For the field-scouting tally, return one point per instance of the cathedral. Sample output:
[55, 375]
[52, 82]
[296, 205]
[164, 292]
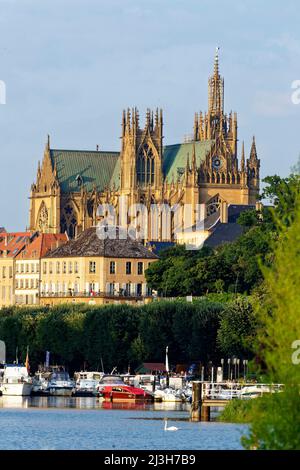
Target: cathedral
[203, 170]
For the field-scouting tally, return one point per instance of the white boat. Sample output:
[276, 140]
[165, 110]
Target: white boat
[87, 388]
[39, 384]
[254, 391]
[168, 395]
[15, 381]
[60, 384]
[87, 383]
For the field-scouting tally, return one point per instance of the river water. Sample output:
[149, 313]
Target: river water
[88, 423]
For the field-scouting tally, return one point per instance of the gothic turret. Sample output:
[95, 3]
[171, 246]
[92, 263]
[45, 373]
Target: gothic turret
[253, 166]
[141, 156]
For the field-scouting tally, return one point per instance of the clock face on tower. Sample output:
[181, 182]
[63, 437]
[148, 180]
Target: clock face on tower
[217, 162]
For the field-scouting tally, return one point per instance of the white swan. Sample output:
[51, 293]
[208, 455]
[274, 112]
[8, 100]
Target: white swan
[171, 428]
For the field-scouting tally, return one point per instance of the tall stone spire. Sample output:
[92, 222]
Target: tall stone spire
[243, 158]
[194, 165]
[216, 90]
[253, 152]
[216, 69]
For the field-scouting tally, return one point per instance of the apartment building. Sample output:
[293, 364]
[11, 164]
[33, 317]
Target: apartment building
[96, 271]
[28, 267]
[11, 244]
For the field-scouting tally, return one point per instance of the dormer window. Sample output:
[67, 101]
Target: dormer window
[79, 180]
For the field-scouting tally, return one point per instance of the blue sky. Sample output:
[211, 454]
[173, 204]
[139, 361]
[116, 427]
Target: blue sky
[71, 66]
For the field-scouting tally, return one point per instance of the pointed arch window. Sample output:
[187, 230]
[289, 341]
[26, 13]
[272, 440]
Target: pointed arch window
[145, 166]
[43, 218]
[68, 222]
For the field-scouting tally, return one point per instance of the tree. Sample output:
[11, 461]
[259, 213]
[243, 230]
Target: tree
[283, 193]
[277, 424]
[238, 329]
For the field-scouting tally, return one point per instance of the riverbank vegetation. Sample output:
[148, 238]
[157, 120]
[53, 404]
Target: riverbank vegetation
[125, 335]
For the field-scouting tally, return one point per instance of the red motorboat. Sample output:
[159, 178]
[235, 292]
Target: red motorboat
[112, 388]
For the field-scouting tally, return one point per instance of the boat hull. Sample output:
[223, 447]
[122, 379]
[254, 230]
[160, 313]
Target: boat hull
[86, 393]
[18, 389]
[125, 394]
[60, 392]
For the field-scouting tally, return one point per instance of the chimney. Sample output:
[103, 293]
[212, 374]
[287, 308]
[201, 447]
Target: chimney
[258, 206]
[224, 213]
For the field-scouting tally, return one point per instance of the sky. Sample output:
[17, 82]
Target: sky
[71, 66]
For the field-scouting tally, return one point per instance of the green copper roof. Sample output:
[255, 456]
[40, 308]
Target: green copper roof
[115, 179]
[102, 169]
[175, 157]
[94, 168]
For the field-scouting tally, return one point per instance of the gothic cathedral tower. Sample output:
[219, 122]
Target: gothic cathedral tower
[141, 157]
[220, 168]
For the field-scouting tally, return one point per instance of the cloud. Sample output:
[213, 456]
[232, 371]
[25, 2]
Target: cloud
[288, 44]
[274, 104]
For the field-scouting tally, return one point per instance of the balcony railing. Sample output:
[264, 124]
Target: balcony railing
[92, 295]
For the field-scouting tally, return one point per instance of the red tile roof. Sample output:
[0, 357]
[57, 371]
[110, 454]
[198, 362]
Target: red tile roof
[12, 243]
[41, 245]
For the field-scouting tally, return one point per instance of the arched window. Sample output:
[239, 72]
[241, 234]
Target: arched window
[68, 221]
[43, 219]
[145, 166]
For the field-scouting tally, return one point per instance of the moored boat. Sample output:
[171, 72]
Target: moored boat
[16, 380]
[169, 395]
[60, 384]
[86, 388]
[254, 391]
[87, 383]
[40, 383]
[112, 388]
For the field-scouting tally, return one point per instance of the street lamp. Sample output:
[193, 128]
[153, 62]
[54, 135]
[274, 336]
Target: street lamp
[234, 362]
[167, 366]
[245, 364]
[222, 366]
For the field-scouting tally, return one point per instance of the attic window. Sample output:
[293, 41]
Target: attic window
[79, 180]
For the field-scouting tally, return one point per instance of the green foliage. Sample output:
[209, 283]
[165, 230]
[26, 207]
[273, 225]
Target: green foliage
[117, 335]
[241, 411]
[275, 421]
[249, 218]
[238, 329]
[233, 267]
[277, 426]
[283, 193]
